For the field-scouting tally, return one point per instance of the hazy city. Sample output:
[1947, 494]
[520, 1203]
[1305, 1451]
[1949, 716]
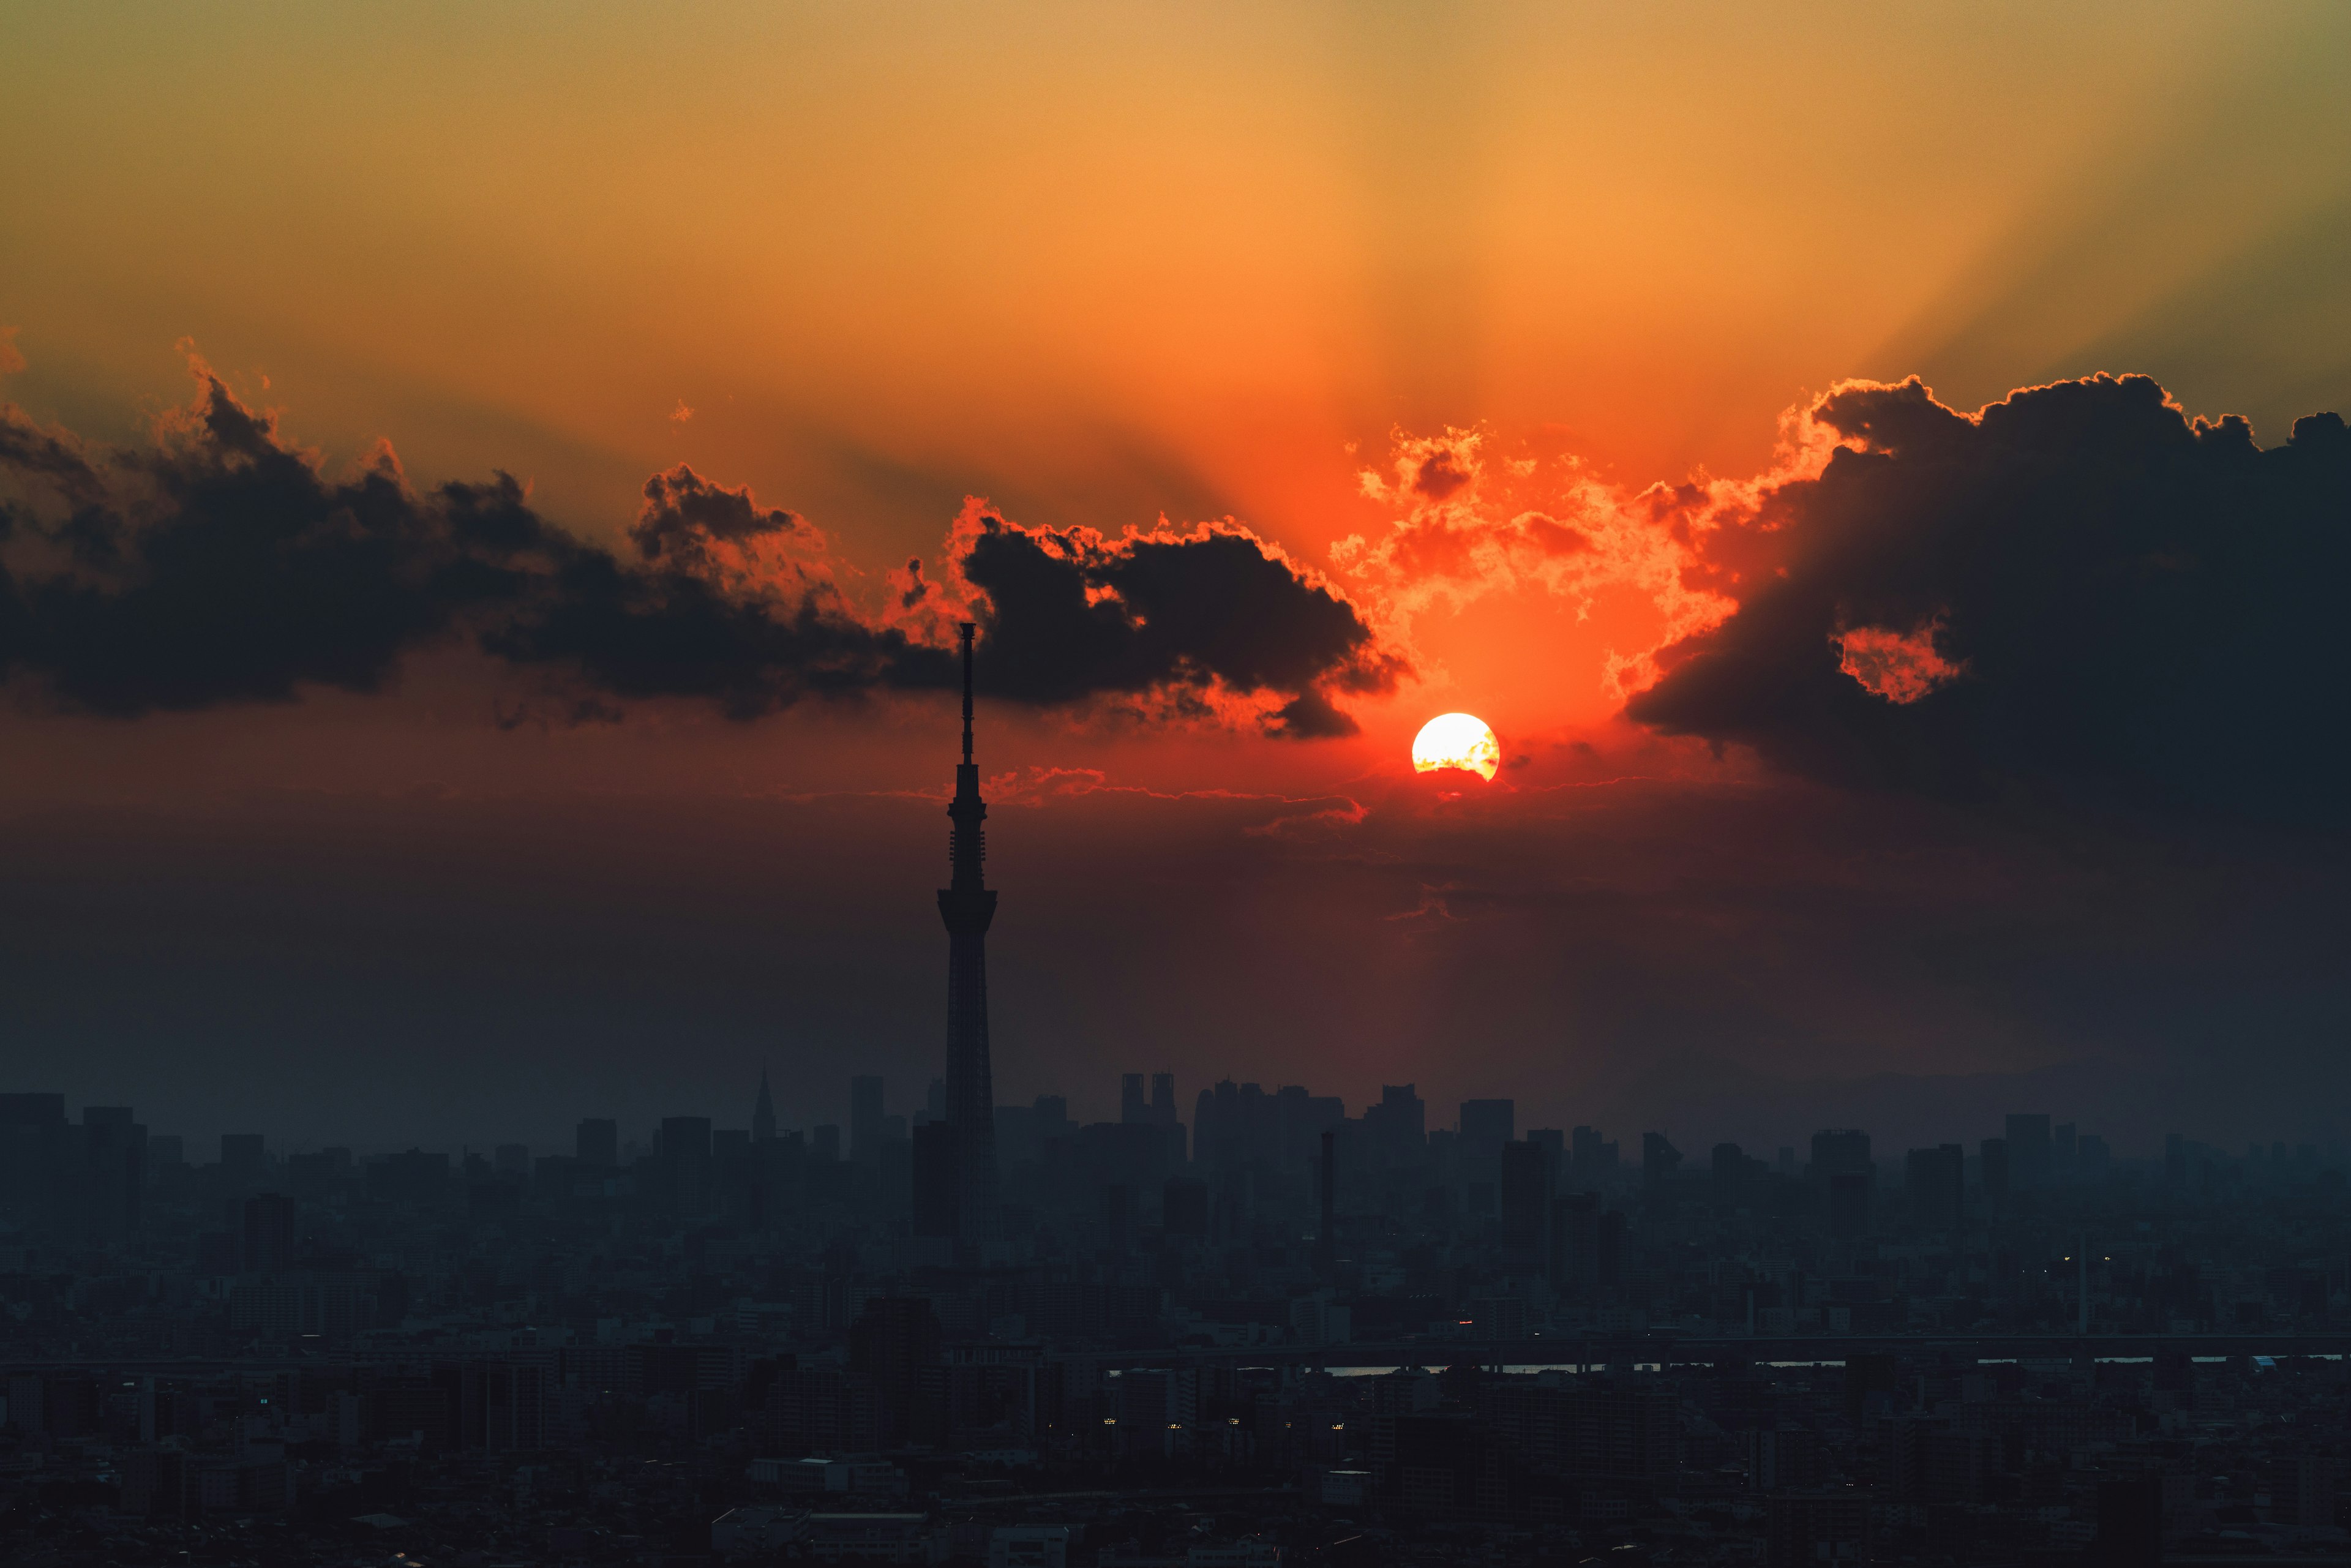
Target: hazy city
[1250, 1329]
[1421, 784]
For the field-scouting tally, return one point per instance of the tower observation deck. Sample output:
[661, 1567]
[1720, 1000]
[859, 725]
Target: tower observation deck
[968, 905]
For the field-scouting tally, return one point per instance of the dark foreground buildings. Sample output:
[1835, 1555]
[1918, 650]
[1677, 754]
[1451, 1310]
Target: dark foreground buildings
[1282, 1333]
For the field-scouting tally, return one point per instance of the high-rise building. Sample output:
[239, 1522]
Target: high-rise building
[1936, 1185]
[598, 1142]
[1486, 1126]
[2028, 1152]
[1132, 1106]
[968, 906]
[1846, 1179]
[686, 1164]
[1397, 1127]
[1659, 1159]
[115, 1151]
[1591, 1158]
[763, 1114]
[242, 1155]
[864, 1116]
[1529, 1172]
[1992, 1170]
[269, 1233]
[1163, 1099]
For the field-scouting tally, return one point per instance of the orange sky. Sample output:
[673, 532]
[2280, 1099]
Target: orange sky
[1104, 264]
[1101, 266]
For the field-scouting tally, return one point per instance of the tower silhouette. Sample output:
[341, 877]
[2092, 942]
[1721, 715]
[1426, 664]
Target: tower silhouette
[763, 1114]
[968, 905]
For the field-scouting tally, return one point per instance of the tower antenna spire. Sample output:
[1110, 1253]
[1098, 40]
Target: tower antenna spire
[966, 628]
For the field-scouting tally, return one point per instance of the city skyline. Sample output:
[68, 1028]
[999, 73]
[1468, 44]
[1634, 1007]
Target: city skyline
[1638, 709]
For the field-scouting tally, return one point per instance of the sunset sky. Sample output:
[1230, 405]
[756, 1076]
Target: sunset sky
[1400, 358]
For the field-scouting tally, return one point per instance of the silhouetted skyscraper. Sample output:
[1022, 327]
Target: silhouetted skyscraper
[1992, 1170]
[968, 906]
[763, 1114]
[864, 1116]
[269, 1233]
[2028, 1150]
[1132, 1106]
[1938, 1185]
[1163, 1099]
[1326, 1236]
[1659, 1159]
[1528, 1173]
[1846, 1177]
[686, 1164]
[598, 1142]
[1486, 1126]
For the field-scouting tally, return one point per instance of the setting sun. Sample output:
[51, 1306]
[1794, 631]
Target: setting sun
[1457, 740]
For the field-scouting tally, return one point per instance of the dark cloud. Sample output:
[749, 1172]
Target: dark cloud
[683, 510]
[1069, 612]
[219, 564]
[2078, 591]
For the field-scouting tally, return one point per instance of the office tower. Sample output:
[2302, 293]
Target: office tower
[1326, 1237]
[2064, 1148]
[935, 1175]
[1184, 1208]
[1848, 1204]
[763, 1114]
[825, 1144]
[1846, 1177]
[114, 1151]
[1528, 1174]
[598, 1142]
[686, 1165]
[1132, 1107]
[269, 1233]
[1163, 1099]
[864, 1116]
[1659, 1159]
[1574, 1241]
[2028, 1153]
[1584, 1156]
[1936, 1185]
[1397, 1127]
[968, 906]
[1486, 1126]
[1992, 1171]
[1733, 1173]
[242, 1155]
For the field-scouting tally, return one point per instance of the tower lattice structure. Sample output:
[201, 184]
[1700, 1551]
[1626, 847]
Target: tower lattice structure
[968, 905]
